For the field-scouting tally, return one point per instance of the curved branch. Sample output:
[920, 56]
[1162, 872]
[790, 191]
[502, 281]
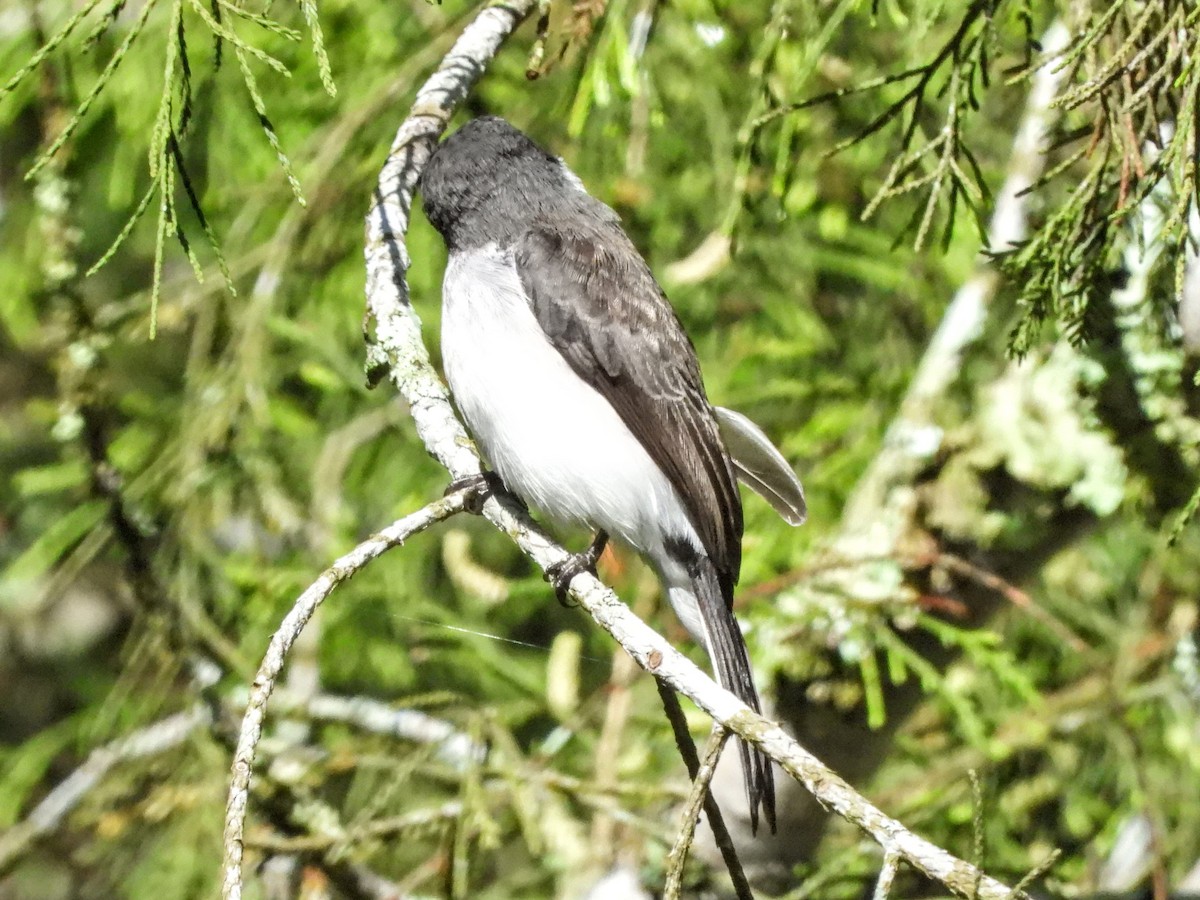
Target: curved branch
[396, 349]
[281, 642]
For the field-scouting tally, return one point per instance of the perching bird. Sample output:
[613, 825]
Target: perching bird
[584, 393]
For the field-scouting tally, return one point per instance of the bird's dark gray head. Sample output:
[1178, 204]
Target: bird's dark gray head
[488, 180]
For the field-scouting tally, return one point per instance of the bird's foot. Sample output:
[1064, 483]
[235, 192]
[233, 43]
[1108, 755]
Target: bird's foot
[477, 487]
[560, 574]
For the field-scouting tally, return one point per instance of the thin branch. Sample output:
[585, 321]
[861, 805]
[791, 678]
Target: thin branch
[317, 842]
[1013, 595]
[1037, 871]
[54, 808]
[698, 797]
[451, 746]
[281, 642]
[887, 875]
[716, 822]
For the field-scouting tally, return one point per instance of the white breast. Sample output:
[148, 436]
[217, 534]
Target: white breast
[554, 439]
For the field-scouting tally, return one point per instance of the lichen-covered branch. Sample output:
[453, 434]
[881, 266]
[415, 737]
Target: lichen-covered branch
[395, 347]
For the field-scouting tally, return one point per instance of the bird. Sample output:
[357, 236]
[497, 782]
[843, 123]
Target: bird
[584, 394]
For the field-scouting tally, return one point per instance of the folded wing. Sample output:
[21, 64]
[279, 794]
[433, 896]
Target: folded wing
[601, 308]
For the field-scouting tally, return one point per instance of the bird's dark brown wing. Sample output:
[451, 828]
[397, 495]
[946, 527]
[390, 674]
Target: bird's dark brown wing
[603, 311]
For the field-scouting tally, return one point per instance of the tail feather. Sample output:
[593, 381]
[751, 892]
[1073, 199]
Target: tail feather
[727, 648]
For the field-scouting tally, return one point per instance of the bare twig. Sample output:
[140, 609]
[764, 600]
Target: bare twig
[451, 746]
[887, 875]
[1037, 871]
[1013, 595]
[49, 815]
[716, 822]
[264, 682]
[698, 797]
[435, 817]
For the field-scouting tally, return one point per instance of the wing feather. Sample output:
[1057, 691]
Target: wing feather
[603, 311]
[761, 466]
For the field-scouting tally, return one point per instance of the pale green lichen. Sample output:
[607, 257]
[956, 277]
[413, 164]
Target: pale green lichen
[1031, 424]
[1035, 426]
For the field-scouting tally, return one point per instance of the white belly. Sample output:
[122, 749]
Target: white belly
[554, 440]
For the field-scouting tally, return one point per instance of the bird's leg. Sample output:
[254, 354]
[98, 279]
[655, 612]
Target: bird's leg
[478, 487]
[560, 574]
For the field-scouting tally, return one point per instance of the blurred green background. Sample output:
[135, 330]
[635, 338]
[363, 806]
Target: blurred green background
[164, 499]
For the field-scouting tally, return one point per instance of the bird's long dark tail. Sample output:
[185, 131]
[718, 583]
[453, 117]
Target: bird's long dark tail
[727, 648]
